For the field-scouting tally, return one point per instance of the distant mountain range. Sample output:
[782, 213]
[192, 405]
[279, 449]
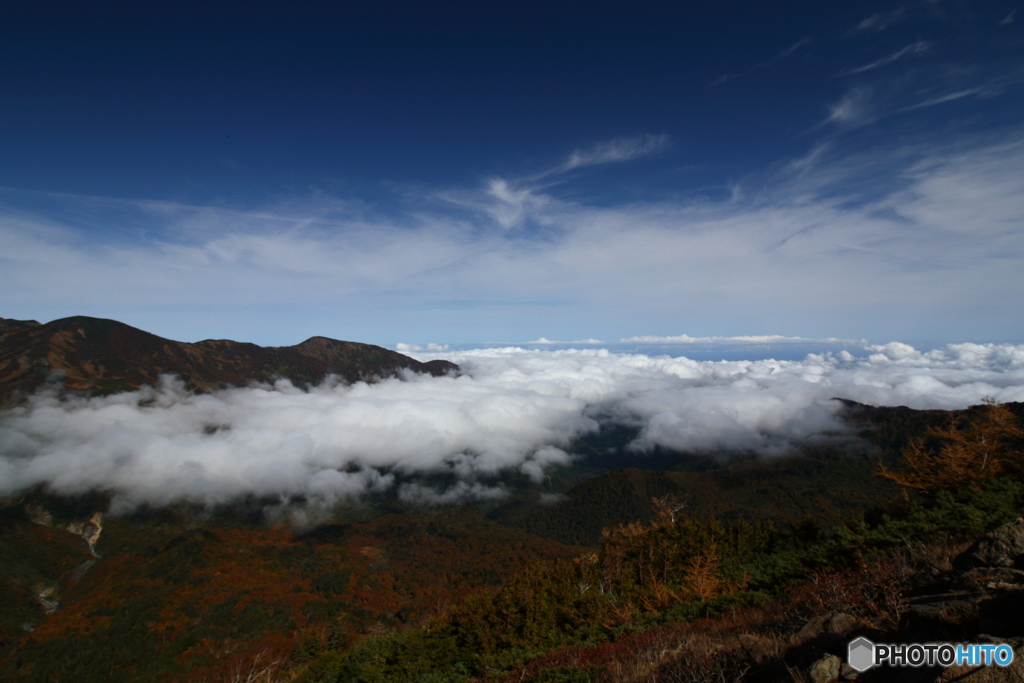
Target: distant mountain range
[99, 356]
[388, 590]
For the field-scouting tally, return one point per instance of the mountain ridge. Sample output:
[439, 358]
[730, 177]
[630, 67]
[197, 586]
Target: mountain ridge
[102, 356]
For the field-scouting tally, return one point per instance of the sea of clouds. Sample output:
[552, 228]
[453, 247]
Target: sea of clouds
[511, 409]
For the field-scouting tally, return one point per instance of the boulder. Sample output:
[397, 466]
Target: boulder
[825, 670]
[848, 673]
[1002, 547]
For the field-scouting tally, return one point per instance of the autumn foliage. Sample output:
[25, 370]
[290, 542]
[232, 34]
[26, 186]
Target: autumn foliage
[223, 604]
[449, 596]
[963, 452]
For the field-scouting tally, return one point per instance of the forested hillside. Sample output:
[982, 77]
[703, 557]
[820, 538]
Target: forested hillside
[170, 597]
[393, 592]
[619, 614]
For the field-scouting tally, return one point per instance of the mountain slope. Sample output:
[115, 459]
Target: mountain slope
[169, 600]
[822, 483]
[105, 356]
[825, 486]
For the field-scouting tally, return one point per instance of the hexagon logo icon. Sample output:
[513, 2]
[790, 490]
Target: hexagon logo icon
[860, 654]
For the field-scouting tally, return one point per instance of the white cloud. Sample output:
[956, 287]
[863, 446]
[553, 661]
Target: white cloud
[949, 97]
[854, 109]
[616, 151]
[512, 204]
[749, 339]
[893, 351]
[920, 47]
[411, 348]
[546, 342]
[877, 243]
[513, 410]
[934, 78]
[882, 20]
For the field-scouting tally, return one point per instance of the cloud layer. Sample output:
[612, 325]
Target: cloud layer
[513, 410]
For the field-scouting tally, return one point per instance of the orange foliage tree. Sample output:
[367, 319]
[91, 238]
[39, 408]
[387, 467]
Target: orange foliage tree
[957, 455]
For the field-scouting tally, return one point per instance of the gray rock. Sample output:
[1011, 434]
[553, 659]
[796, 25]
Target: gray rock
[1002, 547]
[825, 670]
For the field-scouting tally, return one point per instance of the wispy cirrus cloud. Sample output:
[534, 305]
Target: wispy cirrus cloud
[768, 63]
[512, 201]
[616, 151]
[951, 96]
[930, 54]
[917, 48]
[883, 20]
[870, 101]
[856, 243]
[855, 108]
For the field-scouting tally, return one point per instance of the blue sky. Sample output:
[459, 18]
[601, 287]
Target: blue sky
[474, 172]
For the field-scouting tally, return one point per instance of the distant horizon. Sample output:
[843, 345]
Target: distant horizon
[741, 347]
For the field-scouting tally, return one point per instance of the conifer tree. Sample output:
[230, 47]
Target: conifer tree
[990, 445]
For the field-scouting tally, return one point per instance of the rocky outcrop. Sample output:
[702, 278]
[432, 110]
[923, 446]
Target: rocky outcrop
[37, 514]
[819, 647]
[1003, 547]
[986, 594]
[89, 529]
[980, 601]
